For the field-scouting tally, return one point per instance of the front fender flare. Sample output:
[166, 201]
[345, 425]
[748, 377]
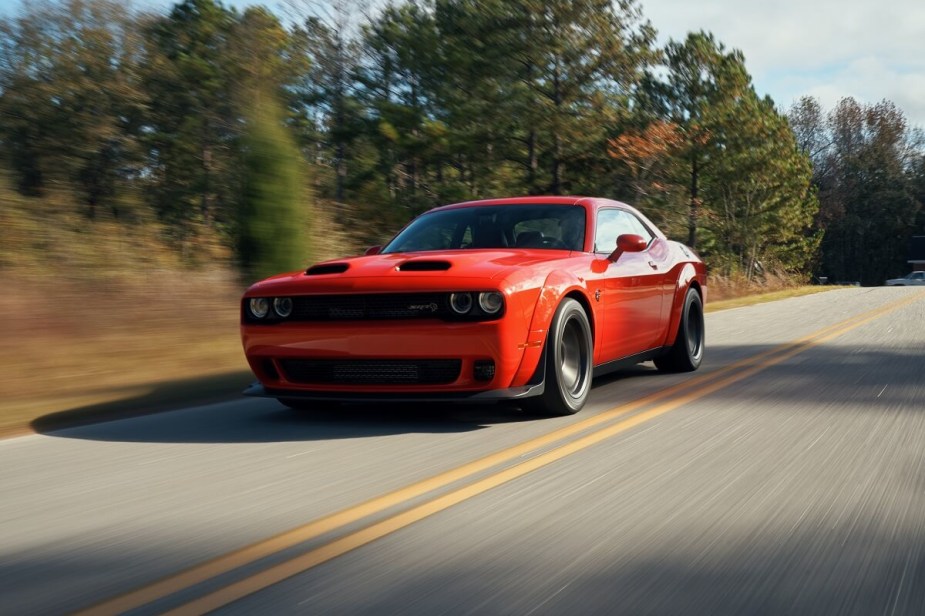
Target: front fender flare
[558, 284]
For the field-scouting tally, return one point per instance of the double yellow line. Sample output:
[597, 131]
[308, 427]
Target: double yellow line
[664, 401]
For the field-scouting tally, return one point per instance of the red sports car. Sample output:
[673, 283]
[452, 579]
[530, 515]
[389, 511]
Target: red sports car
[522, 299]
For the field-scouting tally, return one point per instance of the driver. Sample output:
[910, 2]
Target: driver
[572, 229]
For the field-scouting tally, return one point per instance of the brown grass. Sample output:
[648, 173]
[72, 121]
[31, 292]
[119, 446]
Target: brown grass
[106, 311]
[69, 345]
[722, 288]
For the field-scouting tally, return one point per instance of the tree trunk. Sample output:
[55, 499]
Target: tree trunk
[694, 205]
[556, 186]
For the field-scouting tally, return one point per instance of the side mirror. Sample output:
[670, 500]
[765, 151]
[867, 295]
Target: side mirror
[374, 250]
[628, 242]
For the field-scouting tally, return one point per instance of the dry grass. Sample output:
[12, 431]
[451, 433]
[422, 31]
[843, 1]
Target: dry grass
[722, 288]
[102, 312]
[733, 292]
[760, 298]
[71, 345]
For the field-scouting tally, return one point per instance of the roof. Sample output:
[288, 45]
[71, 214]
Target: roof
[536, 200]
[917, 248]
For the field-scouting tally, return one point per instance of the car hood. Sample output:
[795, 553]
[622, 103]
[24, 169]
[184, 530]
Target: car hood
[411, 271]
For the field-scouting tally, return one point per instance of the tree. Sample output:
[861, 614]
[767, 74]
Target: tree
[703, 81]
[272, 225]
[70, 97]
[193, 120]
[760, 195]
[327, 90]
[704, 142]
[577, 66]
[650, 156]
[867, 173]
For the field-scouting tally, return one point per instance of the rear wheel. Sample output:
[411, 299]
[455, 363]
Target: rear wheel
[687, 352]
[569, 352]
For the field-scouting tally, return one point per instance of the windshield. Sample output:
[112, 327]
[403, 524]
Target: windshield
[558, 227]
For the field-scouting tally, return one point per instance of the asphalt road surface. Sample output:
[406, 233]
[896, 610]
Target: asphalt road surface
[787, 476]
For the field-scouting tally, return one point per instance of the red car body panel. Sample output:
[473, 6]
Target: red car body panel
[633, 305]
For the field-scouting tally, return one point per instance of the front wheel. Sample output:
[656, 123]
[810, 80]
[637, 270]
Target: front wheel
[687, 352]
[569, 353]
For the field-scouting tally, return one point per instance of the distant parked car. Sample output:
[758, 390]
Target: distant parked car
[910, 279]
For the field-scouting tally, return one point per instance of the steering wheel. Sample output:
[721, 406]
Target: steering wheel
[551, 242]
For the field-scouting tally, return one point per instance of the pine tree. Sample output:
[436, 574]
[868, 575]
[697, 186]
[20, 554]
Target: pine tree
[272, 225]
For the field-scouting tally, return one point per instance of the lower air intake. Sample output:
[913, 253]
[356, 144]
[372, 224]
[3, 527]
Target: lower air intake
[371, 371]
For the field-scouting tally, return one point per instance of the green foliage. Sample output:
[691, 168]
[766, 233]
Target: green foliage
[868, 169]
[212, 115]
[70, 98]
[758, 192]
[272, 228]
[725, 156]
[191, 129]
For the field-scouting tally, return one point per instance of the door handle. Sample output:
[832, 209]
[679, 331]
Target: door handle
[653, 265]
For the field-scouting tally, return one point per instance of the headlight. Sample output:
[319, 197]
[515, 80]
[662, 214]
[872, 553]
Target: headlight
[282, 306]
[259, 307]
[461, 303]
[491, 302]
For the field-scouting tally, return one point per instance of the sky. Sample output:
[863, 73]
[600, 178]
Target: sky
[868, 49]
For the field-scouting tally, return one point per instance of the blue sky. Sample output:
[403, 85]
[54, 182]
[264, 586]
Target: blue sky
[871, 50]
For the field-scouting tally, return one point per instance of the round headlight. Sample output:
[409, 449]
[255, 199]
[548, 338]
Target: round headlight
[259, 307]
[282, 306]
[461, 303]
[491, 302]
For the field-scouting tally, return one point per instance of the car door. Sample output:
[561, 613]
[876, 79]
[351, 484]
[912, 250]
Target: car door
[632, 288]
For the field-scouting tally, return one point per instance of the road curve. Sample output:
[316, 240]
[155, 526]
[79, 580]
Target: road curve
[786, 476]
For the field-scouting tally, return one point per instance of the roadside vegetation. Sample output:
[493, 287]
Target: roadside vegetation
[152, 165]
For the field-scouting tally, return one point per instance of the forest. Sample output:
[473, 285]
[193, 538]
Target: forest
[239, 128]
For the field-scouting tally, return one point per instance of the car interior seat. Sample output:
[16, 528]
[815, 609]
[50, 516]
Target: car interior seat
[529, 239]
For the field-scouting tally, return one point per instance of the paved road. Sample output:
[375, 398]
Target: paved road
[785, 477]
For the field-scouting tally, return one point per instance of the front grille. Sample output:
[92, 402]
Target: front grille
[371, 371]
[369, 307]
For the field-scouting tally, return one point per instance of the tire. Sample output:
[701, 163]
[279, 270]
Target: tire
[687, 352]
[569, 357]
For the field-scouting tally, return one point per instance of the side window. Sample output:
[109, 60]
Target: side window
[918, 275]
[613, 223]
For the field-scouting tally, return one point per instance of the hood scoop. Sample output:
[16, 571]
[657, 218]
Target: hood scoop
[424, 266]
[327, 268]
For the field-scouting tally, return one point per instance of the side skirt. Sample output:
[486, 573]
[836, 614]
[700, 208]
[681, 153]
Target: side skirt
[626, 362]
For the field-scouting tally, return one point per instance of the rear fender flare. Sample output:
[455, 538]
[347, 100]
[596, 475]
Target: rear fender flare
[686, 278]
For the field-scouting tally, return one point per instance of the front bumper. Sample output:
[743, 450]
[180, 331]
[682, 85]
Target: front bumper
[275, 352]
[256, 389]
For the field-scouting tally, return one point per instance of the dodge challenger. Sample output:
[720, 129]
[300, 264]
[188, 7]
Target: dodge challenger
[521, 299]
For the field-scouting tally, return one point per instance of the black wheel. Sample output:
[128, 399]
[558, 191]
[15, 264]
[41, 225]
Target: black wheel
[569, 353]
[687, 352]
